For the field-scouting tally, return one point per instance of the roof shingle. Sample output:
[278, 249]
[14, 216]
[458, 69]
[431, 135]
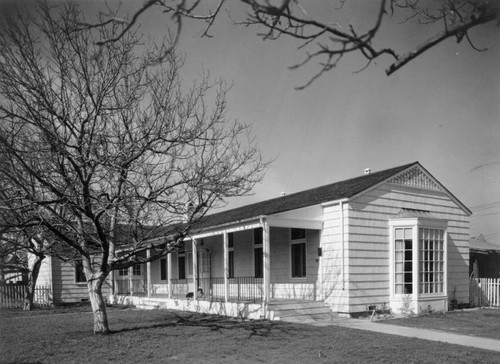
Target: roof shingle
[314, 196]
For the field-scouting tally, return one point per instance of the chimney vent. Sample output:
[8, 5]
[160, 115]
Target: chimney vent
[368, 171]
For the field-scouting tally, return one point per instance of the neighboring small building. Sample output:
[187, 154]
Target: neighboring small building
[393, 238]
[484, 258]
[66, 280]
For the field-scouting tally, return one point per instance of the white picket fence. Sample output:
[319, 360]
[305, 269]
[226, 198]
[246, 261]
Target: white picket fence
[12, 296]
[484, 292]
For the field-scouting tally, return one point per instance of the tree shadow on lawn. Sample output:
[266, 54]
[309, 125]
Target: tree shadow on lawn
[213, 323]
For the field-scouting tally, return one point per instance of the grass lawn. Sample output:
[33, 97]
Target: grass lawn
[478, 322]
[164, 336]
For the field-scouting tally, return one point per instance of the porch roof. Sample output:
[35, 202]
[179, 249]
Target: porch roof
[315, 196]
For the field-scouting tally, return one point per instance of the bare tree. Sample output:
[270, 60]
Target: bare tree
[324, 39]
[119, 155]
[24, 242]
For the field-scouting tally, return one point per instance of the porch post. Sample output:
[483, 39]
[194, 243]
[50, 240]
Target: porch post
[226, 266]
[148, 273]
[130, 280]
[113, 278]
[266, 251]
[195, 269]
[169, 274]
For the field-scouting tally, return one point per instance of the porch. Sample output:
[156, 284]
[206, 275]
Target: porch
[257, 261]
[239, 289]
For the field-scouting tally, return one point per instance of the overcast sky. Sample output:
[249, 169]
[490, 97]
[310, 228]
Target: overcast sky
[441, 109]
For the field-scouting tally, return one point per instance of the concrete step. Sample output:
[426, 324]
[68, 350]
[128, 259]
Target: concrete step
[295, 304]
[151, 305]
[300, 311]
[303, 311]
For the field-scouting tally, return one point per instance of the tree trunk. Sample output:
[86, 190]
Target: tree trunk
[32, 278]
[98, 306]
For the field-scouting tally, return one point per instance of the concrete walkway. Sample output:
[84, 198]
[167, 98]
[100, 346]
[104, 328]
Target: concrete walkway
[425, 334]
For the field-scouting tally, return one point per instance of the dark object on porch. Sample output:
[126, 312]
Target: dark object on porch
[198, 295]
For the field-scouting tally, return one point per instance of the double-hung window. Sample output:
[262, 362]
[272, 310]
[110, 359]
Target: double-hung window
[258, 251]
[163, 269]
[79, 274]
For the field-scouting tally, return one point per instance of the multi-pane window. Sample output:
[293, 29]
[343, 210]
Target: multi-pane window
[79, 274]
[258, 253]
[136, 271]
[431, 260]
[123, 272]
[298, 253]
[163, 269]
[431, 264]
[403, 260]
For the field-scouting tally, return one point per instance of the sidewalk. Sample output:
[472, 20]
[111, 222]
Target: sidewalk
[434, 335]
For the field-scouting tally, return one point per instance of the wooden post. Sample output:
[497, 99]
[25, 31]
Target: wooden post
[148, 273]
[169, 274]
[114, 284]
[266, 251]
[226, 266]
[130, 280]
[195, 269]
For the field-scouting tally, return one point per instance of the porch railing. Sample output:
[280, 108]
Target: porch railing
[240, 289]
[127, 286]
[484, 292]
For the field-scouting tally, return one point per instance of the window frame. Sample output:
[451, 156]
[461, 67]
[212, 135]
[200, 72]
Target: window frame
[181, 274]
[258, 252]
[418, 224]
[79, 272]
[163, 269]
[137, 270]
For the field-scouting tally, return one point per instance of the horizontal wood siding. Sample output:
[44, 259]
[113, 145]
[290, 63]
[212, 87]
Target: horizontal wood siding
[283, 286]
[367, 241]
[64, 286]
[330, 282]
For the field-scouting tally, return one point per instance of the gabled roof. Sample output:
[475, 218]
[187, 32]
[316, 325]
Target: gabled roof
[314, 196]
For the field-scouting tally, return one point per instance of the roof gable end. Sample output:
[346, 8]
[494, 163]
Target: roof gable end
[417, 176]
